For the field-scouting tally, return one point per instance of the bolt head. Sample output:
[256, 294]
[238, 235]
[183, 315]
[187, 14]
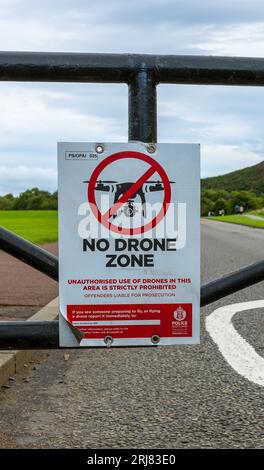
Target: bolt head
[108, 341]
[155, 339]
[99, 148]
[151, 148]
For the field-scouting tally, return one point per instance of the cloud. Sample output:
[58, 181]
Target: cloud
[220, 159]
[235, 40]
[228, 122]
[17, 179]
[34, 118]
[37, 113]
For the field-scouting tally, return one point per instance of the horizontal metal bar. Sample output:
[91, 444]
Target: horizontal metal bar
[75, 67]
[210, 70]
[29, 335]
[29, 253]
[232, 282]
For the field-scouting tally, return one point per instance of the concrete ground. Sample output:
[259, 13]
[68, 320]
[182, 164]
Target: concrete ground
[23, 290]
[167, 397]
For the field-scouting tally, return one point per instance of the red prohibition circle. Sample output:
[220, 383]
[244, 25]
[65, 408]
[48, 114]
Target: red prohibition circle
[156, 167]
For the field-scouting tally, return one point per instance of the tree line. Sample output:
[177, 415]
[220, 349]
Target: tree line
[211, 200]
[31, 199]
[215, 200]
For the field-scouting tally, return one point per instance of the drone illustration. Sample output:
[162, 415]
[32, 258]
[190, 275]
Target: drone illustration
[119, 189]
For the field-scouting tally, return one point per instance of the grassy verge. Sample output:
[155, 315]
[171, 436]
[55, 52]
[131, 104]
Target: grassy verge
[258, 212]
[241, 220]
[36, 226]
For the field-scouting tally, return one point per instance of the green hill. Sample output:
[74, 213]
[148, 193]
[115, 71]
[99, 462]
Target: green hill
[249, 179]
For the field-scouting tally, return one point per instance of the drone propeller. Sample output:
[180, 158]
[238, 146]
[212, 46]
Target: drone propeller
[100, 181]
[106, 181]
[157, 181]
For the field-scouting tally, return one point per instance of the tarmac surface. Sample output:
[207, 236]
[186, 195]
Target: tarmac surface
[167, 397]
[23, 290]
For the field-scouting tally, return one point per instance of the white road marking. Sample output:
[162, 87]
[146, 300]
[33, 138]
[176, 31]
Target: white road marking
[236, 350]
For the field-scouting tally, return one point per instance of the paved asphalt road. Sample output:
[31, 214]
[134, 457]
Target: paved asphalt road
[166, 397]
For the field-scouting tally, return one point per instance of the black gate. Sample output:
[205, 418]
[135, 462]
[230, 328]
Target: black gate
[142, 74]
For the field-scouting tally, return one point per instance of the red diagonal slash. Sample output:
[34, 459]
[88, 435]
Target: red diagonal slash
[154, 166]
[132, 190]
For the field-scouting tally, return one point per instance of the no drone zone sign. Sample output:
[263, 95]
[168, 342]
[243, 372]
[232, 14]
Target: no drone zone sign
[129, 244]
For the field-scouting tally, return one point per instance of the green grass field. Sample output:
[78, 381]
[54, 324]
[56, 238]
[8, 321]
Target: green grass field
[42, 226]
[36, 226]
[258, 212]
[241, 220]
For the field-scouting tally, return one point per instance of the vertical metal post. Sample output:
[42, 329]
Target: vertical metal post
[142, 107]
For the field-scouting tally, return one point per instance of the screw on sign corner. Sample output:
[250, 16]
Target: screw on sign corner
[155, 339]
[151, 148]
[108, 341]
[99, 148]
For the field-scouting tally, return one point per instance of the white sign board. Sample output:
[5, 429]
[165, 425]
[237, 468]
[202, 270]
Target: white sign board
[129, 244]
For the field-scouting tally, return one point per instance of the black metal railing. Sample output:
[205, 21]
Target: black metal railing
[142, 73]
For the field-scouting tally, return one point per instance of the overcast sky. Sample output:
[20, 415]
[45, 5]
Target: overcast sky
[228, 122]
